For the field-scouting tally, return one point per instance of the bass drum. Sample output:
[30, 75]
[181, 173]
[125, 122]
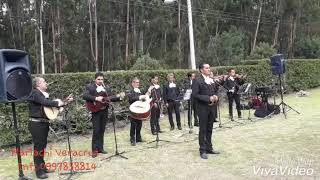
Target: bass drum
[140, 110]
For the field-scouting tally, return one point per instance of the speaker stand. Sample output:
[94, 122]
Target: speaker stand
[284, 105]
[18, 145]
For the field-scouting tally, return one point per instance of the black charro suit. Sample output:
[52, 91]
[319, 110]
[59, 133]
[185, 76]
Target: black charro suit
[99, 119]
[201, 92]
[171, 96]
[135, 128]
[39, 127]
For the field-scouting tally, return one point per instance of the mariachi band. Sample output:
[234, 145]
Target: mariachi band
[144, 105]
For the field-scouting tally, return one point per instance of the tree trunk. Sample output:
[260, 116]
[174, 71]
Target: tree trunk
[96, 35]
[59, 36]
[91, 32]
[12, 29]
[134, 43]
[276, 29]
[54, 42]
[257, 29]
[179, 35]
[103, 46]
[127, 35]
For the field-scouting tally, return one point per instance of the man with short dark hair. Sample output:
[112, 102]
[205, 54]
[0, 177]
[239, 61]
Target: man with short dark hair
[205, 95]
[93, 94]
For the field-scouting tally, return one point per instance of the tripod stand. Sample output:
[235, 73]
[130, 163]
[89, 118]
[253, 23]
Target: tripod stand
[116, 153]
[18, 146]
[67, 123]
[282, 103]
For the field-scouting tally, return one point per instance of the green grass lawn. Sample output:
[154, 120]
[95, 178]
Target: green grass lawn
[248, 150]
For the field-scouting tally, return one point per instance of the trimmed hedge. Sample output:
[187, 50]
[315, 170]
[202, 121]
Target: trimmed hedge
[301, 74]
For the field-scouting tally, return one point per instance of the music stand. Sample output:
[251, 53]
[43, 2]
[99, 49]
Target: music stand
[18, 145]
[282, 103]
[67, 124]
[116, 153]
[246, 91]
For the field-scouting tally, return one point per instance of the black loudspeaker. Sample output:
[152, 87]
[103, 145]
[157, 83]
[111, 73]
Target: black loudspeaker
[277, 64]
[15, 76]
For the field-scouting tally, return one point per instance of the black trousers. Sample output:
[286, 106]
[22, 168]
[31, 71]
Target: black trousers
[207, 116]
[236, 98]
[39, 132]
[135, 129]
[192, 109]
[154, 120]
[99, 121]
[174, 105]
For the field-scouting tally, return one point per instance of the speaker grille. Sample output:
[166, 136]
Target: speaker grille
[19, 85]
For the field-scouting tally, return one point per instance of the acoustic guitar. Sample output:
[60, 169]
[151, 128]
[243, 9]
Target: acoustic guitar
[98, 106]
[141, 110]
[53, 112]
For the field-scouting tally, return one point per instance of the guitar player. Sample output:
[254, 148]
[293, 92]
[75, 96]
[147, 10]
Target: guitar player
[99, 119]
[39, 123]
[135, 95]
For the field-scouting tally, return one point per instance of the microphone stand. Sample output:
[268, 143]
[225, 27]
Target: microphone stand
[157, 140]
[67, 124]
[117, 153]
[184, 117]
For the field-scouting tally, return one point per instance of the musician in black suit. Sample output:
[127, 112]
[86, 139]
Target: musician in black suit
[135, 95]
[204, 94]
[39, 123]
[156, 95]
[171, 93]
[99, 119]
[232, 83]
[192, 104]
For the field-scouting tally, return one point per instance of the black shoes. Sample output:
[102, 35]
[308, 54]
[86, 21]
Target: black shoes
[179, 127]
[48, 170]
[103, 152]
[94, 154]
[213, 152]
[196, 123]
[203, 155]
[171, 128]
[139, 140]
[132, 141]
[42, 176]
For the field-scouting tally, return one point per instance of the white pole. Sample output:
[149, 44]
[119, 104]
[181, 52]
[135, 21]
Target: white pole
[191, 39]
[41, 40]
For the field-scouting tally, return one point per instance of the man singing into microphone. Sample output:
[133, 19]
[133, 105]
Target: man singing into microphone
[99, 118]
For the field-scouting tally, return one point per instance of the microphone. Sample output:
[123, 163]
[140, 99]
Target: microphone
[53, 82]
